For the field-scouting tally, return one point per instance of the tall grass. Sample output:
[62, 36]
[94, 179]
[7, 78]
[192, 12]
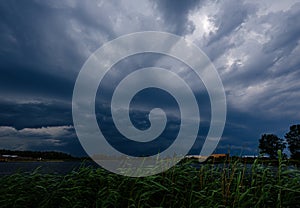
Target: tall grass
[231, 184]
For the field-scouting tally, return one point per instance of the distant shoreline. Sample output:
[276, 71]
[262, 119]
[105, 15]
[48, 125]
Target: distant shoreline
[36, 156]
[41, 161]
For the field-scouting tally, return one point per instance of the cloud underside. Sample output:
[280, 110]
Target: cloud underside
[255, 46]
[56, 138]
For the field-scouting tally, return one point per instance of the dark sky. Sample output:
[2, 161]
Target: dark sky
[254, 45]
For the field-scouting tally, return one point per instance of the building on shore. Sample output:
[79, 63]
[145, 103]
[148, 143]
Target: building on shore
[212, 156]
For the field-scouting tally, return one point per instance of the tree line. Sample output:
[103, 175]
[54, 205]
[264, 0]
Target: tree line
[270, 143]
[51, 155]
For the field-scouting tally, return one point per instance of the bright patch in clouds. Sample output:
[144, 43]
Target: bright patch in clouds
[48, 137]
[204, 25]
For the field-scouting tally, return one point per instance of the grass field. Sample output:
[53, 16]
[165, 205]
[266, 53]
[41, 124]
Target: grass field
[231, 184]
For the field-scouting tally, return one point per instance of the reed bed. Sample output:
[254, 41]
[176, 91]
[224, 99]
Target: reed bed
[232, 184]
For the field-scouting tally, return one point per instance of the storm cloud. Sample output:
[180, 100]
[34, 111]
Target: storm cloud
[254, 45]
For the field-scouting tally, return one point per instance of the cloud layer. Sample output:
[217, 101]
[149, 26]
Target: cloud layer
[255, 46]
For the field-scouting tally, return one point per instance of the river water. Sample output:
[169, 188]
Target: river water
[8, 168]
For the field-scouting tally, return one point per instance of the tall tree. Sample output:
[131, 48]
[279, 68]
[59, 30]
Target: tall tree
[270, 144]
[293, 140]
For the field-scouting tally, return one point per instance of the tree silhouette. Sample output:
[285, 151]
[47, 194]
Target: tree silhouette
[270, 144]
[293, 140]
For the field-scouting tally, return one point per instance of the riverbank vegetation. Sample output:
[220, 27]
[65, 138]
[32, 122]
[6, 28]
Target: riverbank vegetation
[231, 184]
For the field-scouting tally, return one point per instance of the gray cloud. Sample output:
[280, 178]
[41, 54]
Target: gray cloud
[232, 14]
[255, 52]
[46, 138]
[268, 71]
[253, 44]
[175, 14]
[35, 114]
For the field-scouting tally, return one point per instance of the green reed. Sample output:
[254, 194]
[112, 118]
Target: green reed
[231, 184]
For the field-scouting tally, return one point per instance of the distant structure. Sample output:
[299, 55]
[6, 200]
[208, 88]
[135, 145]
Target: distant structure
[198, 157]
[203, 158]
[249, 156]
[10, 156]
[7, 158]
[2, 159]
[219, 156]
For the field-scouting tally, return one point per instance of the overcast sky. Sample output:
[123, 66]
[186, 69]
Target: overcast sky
[254, 45]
